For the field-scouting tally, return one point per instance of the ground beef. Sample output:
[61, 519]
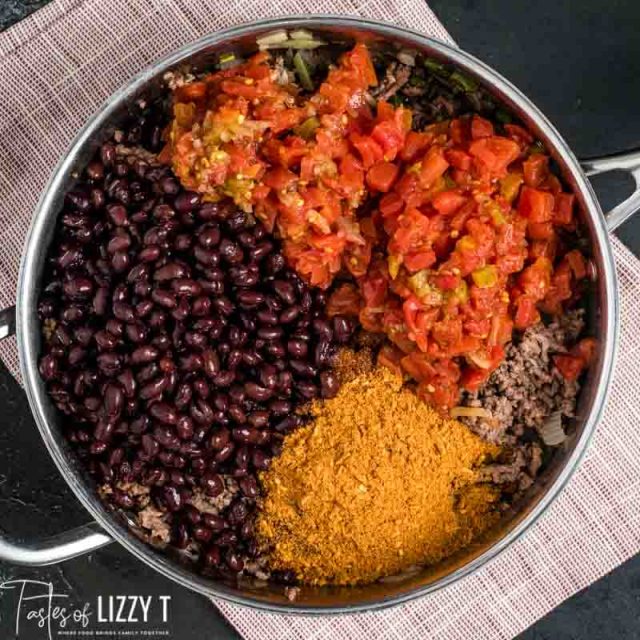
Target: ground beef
[396, 76]
[527, 388]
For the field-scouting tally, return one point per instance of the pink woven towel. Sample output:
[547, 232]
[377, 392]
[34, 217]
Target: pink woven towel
[59, 65]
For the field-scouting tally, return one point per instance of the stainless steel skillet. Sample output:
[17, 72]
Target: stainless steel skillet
[108, 526]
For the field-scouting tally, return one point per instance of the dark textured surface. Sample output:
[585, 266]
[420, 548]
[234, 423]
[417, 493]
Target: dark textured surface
[581, 64]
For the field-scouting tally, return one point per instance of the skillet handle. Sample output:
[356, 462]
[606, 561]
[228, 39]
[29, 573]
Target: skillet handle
[629, 162]
[58, 548]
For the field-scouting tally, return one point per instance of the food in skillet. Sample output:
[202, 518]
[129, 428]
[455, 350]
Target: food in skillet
[233, 247]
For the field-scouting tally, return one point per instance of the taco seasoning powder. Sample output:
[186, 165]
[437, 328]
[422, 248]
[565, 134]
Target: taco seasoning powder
[377, 482]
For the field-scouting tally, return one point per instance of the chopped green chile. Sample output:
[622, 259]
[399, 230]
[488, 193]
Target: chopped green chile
[303, 72]
[464, 81]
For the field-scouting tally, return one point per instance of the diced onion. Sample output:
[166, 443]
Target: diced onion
[407, 56]
[305, 43]
[469, 412]
[301, 34]
[274, 37]
[293, 44]
[402, 576]
[552, 432]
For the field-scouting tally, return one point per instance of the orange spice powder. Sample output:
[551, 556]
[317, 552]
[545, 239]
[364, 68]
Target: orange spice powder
[377, 482]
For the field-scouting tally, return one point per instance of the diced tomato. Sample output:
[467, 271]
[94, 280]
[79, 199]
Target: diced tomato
[417, 365]
[543, 249]
[433, 165]
[569, 366]
[496, 153]
[585, 349]
[535, 280]
[526, 313]
[391, 358]
[473, 378]
[344, 301]
[382, 175]
[458, 159]
[563, 214]
[535, 205]
[480, 127]
[414, 144]
[501, 330]
[279, 178]
[448, 202]
[460, 130]
[370, 151]
[391, 204]
[192, 92]
[535, 169]
[447, 252]
[419, 260]
[540, 230]
[577, 263]
[519, 134]
[360, 60]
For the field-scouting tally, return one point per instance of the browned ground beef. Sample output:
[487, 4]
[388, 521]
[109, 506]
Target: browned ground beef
[521, 395]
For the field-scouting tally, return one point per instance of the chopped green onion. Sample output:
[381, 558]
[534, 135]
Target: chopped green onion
[435, 66]
[227, 57]
[465, 82]
[274, 37]
[293, 44]
[303, 72]
[305, 43]
[301, 34]
[307, 128]
[503, 116]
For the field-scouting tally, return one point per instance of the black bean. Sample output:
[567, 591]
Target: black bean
[322, 328]
[143, 355]
[78, 288]
[186, 201]
[163, 413]
[164, 298]
[224, 379]
[154, 389]
[343, 329]
[261, 251]
[270, 333]
[323, 353]
[285, 291]
[289, 315]
[213, 484]
[260, 460]
[249, 486]
[297, 348]
[249, 299]
[329, 384]
[230, 251]
[220, 438]
[225, 452]
[173, 499]
[307, 390]
[257, 392]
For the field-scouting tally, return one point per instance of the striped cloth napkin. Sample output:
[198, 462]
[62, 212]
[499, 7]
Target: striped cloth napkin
[60, 64]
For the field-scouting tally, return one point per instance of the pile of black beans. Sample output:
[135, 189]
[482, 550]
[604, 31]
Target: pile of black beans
[179, 345]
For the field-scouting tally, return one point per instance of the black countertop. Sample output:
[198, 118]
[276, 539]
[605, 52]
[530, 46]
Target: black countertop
[580, 62]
